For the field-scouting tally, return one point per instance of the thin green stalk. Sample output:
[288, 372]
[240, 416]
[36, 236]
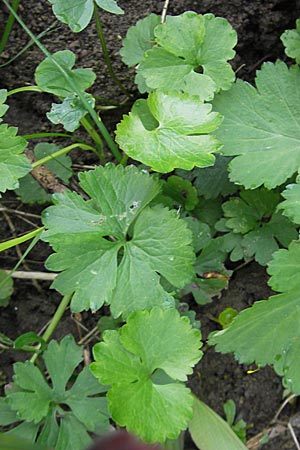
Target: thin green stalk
[60, 152]
[32, 88]
[44, 135]
[19, 240]
[95, 136]
[106, 54]
[54, 322]
[9, 25]
[103, 130]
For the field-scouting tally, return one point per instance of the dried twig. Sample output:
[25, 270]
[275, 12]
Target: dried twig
[30, 275]
[164, 11]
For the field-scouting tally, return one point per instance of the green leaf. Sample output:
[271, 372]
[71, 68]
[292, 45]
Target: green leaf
[291, 205]
[76, 15]
[35, 401]
[110, 6]
[6, 288]
[291, 41]
[210, 432]
[201, 233]
[50, 79]
[190, 43]
[181, 192]
[266, 333]
[70, 111]
[139, 39]
[7, 415]
[284, 268]
[182, 137]
[72, 435]
[145, 396]
[121, 270]
[213, 181]
[3, 106]
[13, 165]
[259, 122]
[30, 191]
[243, 213]
[33, 397]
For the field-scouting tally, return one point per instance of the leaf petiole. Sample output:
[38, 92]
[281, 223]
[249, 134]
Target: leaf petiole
[61, 152]
[19, 240]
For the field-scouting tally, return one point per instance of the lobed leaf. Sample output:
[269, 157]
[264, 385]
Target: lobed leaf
[50, 79]
[13, 164]
[181, 137]
[3, 106]
[266, 333]
[188, 44]
[143, 243]
[291, 206]
[284, 268]
[139, 39]
[291, 41]
[259, 122]
[142, 362]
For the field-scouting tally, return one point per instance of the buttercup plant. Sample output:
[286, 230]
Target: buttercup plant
[137, 242]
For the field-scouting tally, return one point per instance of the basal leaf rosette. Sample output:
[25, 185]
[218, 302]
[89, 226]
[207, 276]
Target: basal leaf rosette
[170, 130]
[261, 127]
[113, 248]
[188, 45]
[144, 363]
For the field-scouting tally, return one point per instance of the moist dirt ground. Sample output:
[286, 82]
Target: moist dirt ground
[217, 378]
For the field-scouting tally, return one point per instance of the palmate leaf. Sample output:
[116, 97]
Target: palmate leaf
[13, 164]
[187, 43]
[284, 268]
[144, 362]
[291, 41]
[259, 123]
[50, 79]
[139, 39]
[122, 270]
[267, 333]
[168, 131]
[33, 400]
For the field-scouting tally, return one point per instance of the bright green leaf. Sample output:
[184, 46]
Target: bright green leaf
[110, 6]
[267, 333]
[139, 39]
[3, 106]
[182, 138]
[291, 41]
[70, 111]
[50, 79]
[291, 206]
[122, 270]
[284, 268]
[187, 43]
[13, 165]
[260, 122]
[210, 432]
[76, 15]
[142, 363]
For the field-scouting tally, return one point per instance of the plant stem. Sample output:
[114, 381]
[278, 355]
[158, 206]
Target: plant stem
[103, 130]
[19, 240]
[54, 322]
[106, 54]
[95, 136]
[45, 135]
[60, 152]
[32, 88]
[9, 25]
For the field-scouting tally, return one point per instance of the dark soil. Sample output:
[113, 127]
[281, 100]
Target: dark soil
[259, 24]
